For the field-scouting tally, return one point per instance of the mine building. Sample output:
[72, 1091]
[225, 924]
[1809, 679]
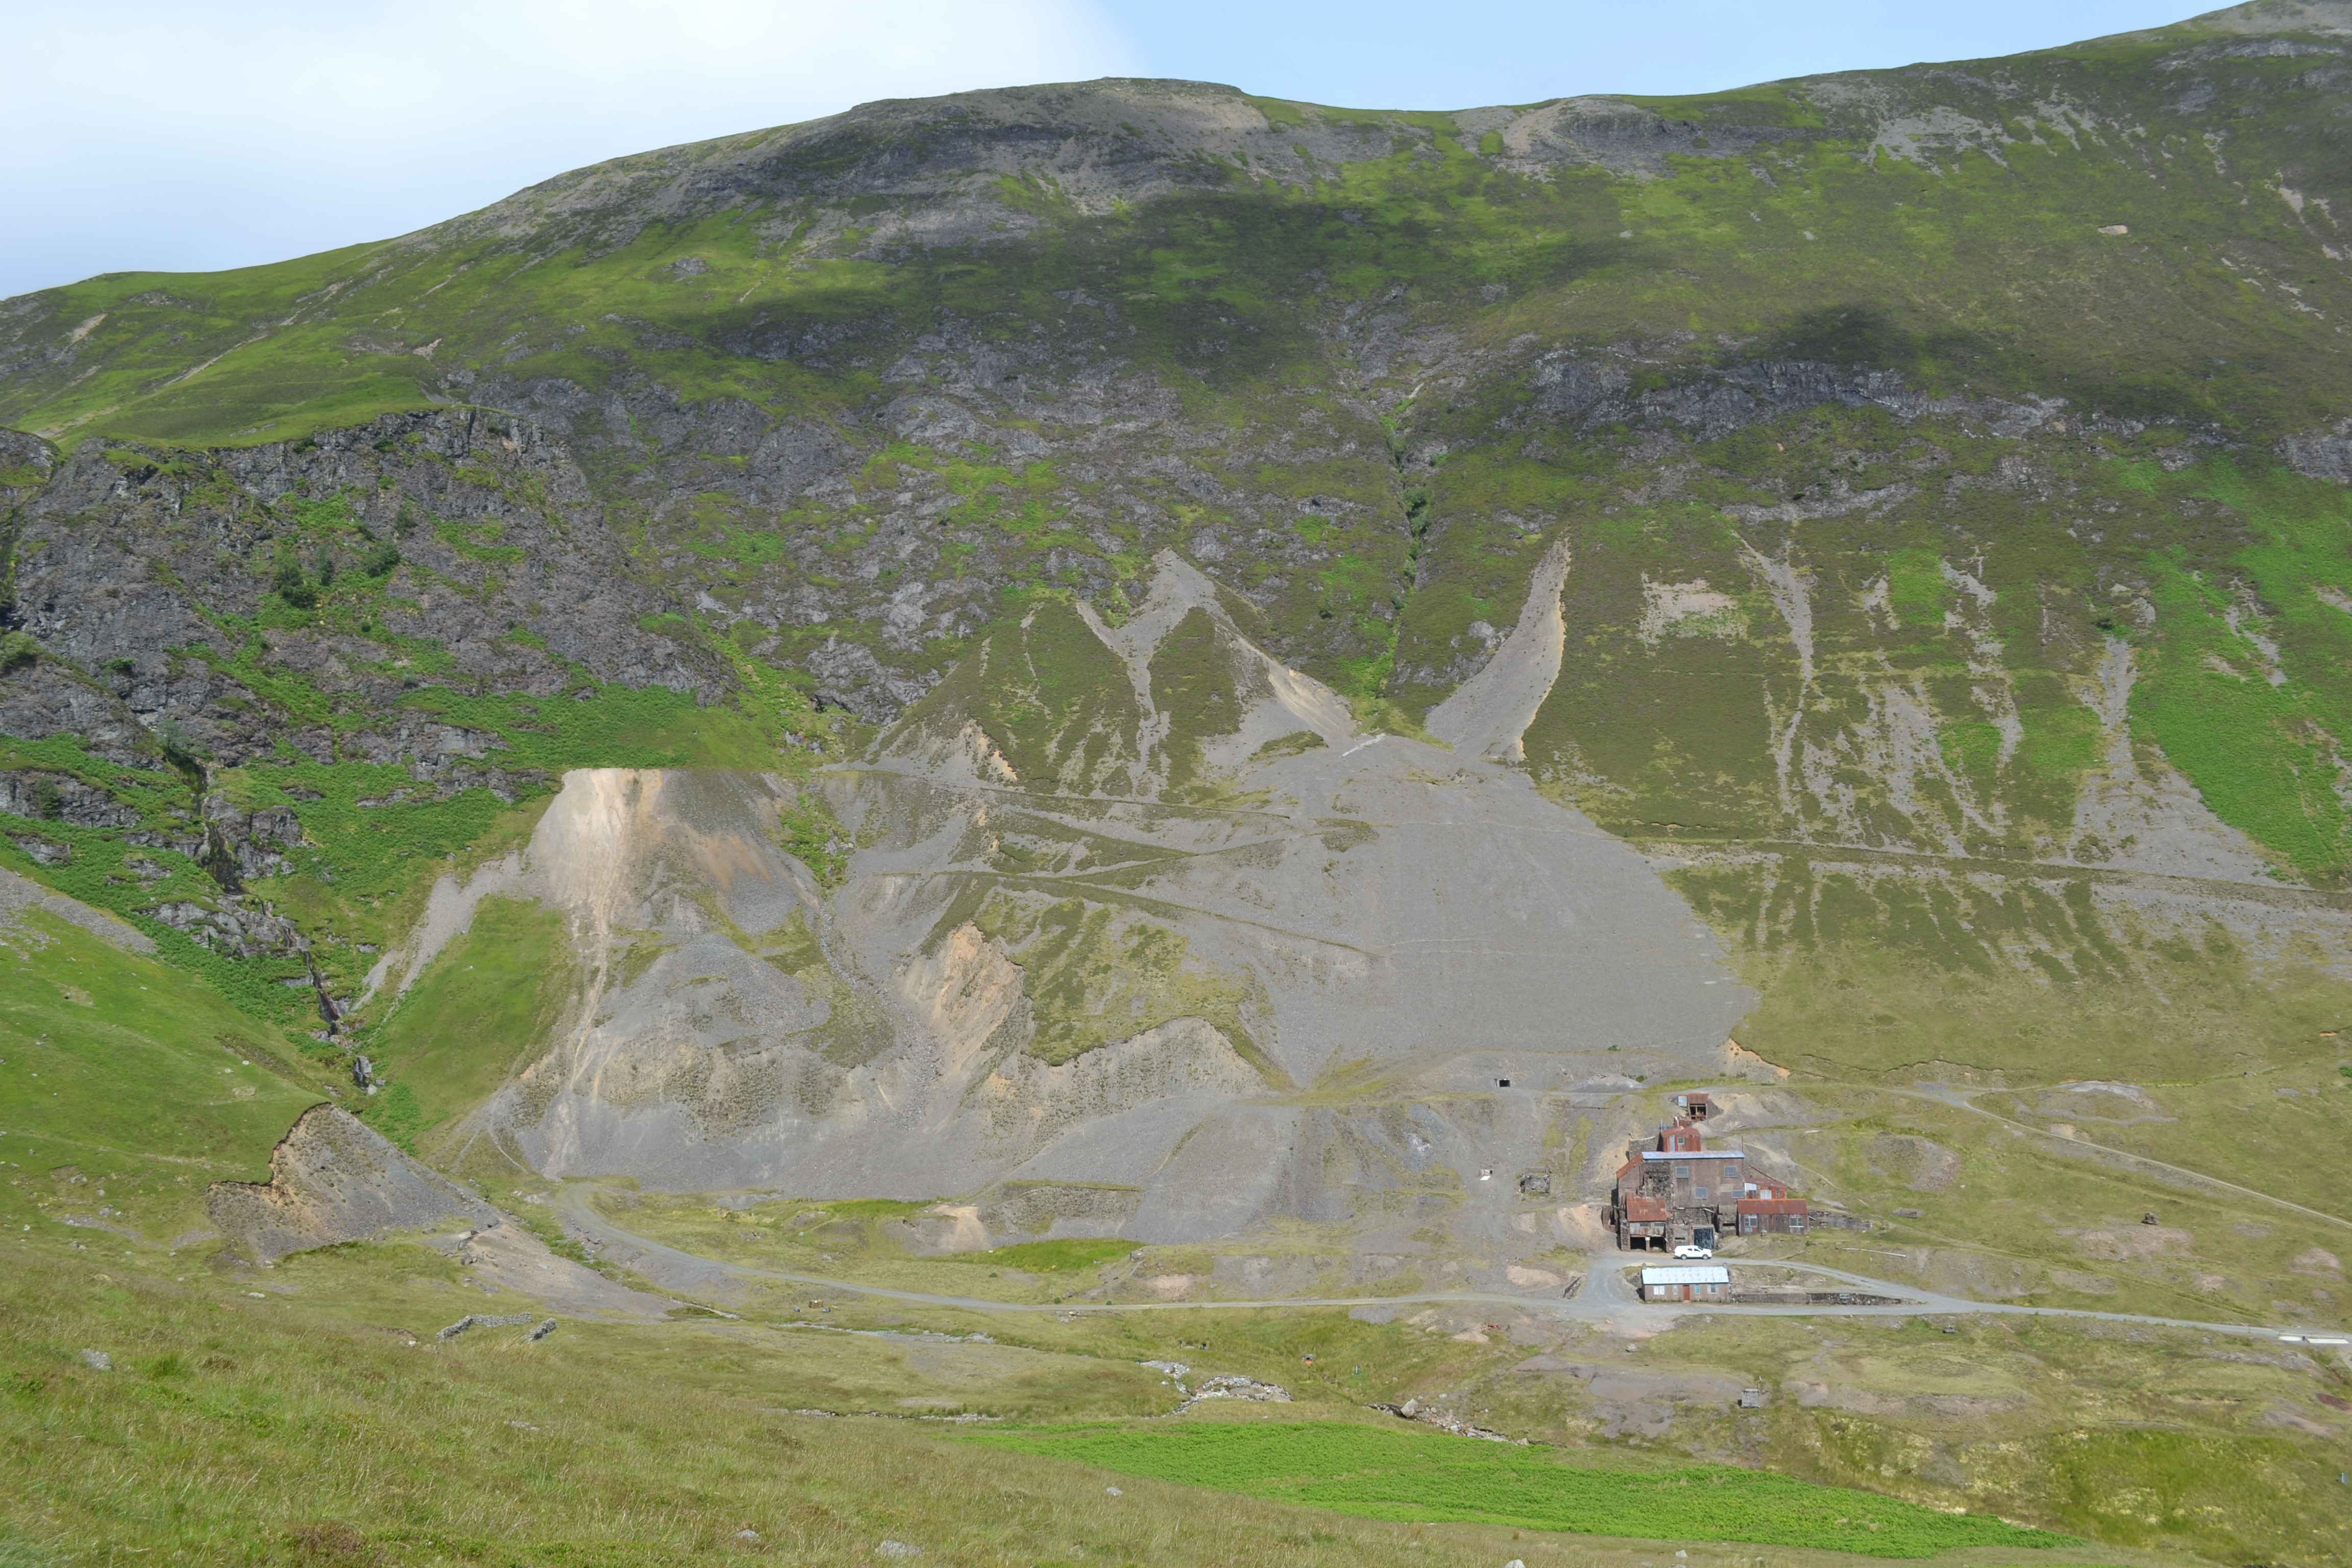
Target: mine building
[1687, 1282]
[1643, 1222]
[1770, 1211]
[1679, 1192]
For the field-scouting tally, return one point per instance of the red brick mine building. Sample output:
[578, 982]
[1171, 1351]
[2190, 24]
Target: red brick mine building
[1680, 1192]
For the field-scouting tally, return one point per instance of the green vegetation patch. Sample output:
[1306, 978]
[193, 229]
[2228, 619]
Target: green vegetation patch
[1193, 683]
[1095, 974]
[1869, 968]
[1053, 700]
[477, 1016]
[1050, 1257]
[2251, 663]
[1916, 588]
[1296, 743]
[1379, 1474]
[314, 1425]
[138, 1072]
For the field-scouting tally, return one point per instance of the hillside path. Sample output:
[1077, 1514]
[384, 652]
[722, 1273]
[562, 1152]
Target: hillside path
[1606, 1299]
[1964, 1100]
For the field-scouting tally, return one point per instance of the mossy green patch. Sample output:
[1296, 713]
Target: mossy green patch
[1194, 688]
[1049, 697]
[1916, 588]
[1296, 743]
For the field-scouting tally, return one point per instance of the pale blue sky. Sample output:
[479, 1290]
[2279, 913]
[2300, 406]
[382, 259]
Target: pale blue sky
[196, 134]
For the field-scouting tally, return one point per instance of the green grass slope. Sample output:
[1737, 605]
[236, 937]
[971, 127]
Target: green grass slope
[127, 1086]
[1400, 1476]
[319, 1421]
[481, 1012]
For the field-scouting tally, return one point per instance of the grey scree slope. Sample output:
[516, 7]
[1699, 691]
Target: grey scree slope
[1423, 917]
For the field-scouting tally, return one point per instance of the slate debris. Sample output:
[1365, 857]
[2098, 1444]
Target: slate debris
[334, 1179]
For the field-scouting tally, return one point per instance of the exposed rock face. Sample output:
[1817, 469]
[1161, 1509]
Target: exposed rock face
[233, 928]
[48, 698]
[119, 562]
[63, 797]
[2321, 453]
[334, 1179]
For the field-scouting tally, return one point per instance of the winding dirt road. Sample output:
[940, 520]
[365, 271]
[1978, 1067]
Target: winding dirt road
[1606, 1298]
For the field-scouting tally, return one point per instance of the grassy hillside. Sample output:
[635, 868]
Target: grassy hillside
[476, 1016]
[310, 1414]
[127, 1087]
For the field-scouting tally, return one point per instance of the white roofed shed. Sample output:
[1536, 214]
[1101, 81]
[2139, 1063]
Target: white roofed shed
[1687, 1282]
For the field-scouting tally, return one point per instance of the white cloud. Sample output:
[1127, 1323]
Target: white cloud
[196, 136]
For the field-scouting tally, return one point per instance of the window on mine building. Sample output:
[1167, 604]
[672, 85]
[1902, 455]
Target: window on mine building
[1682, 1173]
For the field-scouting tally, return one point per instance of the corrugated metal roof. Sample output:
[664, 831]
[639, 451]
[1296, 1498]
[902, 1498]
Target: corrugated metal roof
[1772, 1205]
[1692, 1154]
[1688, 1274]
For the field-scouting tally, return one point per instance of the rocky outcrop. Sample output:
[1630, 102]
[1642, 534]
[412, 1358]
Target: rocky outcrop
[481, 527]
[61, 797]
[2321, 453]
[25, 460]
[46, 698]
[234, 927]
[334, 1179]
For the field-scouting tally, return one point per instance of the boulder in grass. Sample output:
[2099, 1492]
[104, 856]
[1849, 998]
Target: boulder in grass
[479, 1320]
